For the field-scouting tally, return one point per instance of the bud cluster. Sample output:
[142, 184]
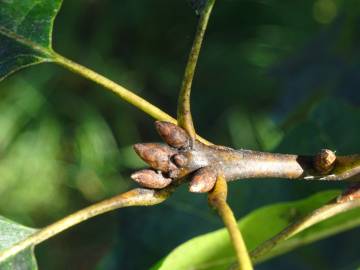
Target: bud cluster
[171, 161]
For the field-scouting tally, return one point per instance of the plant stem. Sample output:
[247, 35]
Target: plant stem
[217, 199]
[334, 207]
[246, 164]
[121, 91]
[184, 113]
[135, 197]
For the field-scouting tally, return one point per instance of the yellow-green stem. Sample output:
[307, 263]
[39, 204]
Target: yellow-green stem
[217, 199]
[135, 197]
[184, 113]
[121, 91]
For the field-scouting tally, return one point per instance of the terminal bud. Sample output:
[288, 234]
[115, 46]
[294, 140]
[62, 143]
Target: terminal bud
[156, 155]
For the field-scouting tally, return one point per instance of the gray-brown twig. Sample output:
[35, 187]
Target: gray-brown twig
[182, 157]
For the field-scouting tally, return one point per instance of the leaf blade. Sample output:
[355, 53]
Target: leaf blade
[10, 234]
[26, 33]
[213, 251]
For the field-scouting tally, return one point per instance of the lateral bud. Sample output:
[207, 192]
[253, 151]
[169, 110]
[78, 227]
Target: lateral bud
[156, 155]
[180, 160]
[172, 134]
[324, 161]
[203, 180]
[151, 179]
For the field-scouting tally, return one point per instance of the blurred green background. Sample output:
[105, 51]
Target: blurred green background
[272, 75]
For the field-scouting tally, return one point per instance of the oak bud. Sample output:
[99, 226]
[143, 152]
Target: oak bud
[151, 179]
[156, 155]
[324, 161]
[172, 134]
[203, 180]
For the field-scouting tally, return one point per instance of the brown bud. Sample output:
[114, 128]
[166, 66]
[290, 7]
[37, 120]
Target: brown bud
[172, 134]
[150, 179]
[324, 161]
[203, 180]
[156, 155]
[180, 160]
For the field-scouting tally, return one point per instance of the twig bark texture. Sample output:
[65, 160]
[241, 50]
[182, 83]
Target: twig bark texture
[204, 163]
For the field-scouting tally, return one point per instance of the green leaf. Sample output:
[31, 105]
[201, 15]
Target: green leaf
[25, 33]
[10, 234]
[213, 251]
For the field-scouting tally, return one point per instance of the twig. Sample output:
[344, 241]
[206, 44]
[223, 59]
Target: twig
[183, 113]
[345, 202]
[217, 199]
[205, 162]
[135, 197]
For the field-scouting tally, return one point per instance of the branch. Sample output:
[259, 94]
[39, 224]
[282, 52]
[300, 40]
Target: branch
[183, 113]
[217, 199]
[135, 197]
[205, 162]
[212, 165]
[350, 199]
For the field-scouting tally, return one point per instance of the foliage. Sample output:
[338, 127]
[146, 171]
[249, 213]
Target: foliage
[25, 33]
[214, 251]
[11, 233]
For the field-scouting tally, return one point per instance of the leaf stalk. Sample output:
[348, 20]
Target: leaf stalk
[184, 113]
[217, 199]
[135, 197]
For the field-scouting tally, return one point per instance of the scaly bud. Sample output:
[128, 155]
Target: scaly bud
[180, 160]
[172, 134]
[151, 179]
[203, 180]
[324, 161]
[156, 155]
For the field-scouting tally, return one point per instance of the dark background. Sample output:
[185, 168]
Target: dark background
[272, 75]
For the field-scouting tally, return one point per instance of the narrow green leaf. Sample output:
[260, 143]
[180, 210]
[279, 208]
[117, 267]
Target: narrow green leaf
[213, 251]
[10, 234]
[25, 33]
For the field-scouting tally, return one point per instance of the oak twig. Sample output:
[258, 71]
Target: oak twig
[205, 162]
[212, 165]
[184, 113]
[135, 197]
[217, 199]
[350, 199]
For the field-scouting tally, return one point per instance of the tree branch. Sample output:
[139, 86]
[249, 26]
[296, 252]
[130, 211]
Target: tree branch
[207, 162]
[184, 113]
[217, 199]
[135, 197]
[212, 165]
